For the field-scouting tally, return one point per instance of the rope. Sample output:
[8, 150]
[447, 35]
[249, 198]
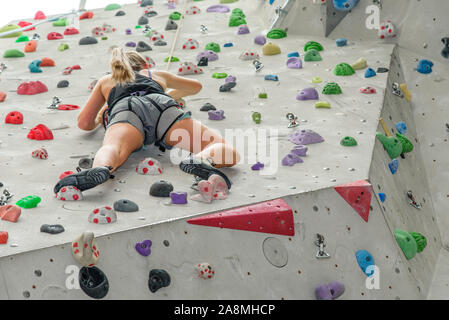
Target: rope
[176, 35]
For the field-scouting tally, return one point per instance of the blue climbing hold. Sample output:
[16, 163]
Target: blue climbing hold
[345, 5]
[382, 197]
[229, 44]
[365, 259]
[369, 73]
[401, 127]
[424, 66]
[271, 1]
[271, 77]
[34, 66]
[393, 165]
[293, 54]
[341, 42]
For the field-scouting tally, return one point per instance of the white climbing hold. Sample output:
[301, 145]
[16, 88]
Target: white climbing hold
[155, 35]
[149, 166]
[85, 249]
[249, 55]
[97, 32]
[205, 270]
[189, 68]
[191, 44]
[386, 30]
[193, 10]
[69, 193]
[103, 215]
[367, 90]
[40, 153]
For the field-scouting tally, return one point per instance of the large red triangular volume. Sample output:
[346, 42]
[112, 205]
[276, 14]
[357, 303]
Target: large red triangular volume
[273, 216]
[358, 195]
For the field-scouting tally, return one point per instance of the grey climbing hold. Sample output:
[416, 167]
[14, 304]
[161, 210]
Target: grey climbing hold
[143, 46]
[63, 84]
[227, 86]
[120, 13]
[52, 228]
[125, 205]
[87, 40]
[275, 252]
[151, 13]
[171, 25]
[203, 62]
[146, 3]
[161, 188]
[160, 43]
[143, 21]
[207, 107]
[85, 163]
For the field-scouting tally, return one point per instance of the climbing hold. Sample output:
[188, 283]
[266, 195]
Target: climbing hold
[61, 22]
[386, 30]
[341, 42]
[367, 90]
[69, 193]
[392, 145]
[257, 166]
[293, 54]
[213, 46]
[276, 34]
[112, 6]
[52, 228]
[22, 38]
[312, 55]
[34, 66]
[299, 150]
[317, 80]
[219, 75]
[10, 27]
[369, 73]
[125, 205]
[187, 68]
[31, 46]
[150, 13]
[305, 137]
[343, 69]
[358, 195]
[10, 212]
[260, 39]
[393, 166]
[3, 237]
[216, 114]
[406, 92]
[249, 55]
[143, 21]
[313, 45]
[193, 10]
[209, 54]
[2, 96]
[207, 107]
[191, 44]
[270, 49]
[226, 88]
[54, 36]
[149, 166]
[360, 64]
[382, 70]
[63, 84]
[24, 24]
[421, 241]
[65, 174]
[365, 261]
[348, 142]
[294, 63]
[236, 20]
[40, 153]
[68, 107]
[230, 79]
[40, 132]
[13, 53]
[382, 197]
[332, 88]
[178, 197]
[322, 105]
[161, 188]
[87, 15]
[307, 94]
[70, 31]
[146, 3]
[158, 279]
[47, 62]
[243, 29]
[273, 216]
[407, 145]
[424, 66]
[330, 291]
[345, 5]
[28, 202]
[85, 249]
[291, 159]
[263, 95]
[143, 248]
[445, 51]
[173, 59]
[406, 242]
[87, 40]
[97, 32]
[93, 282]
[160, 43]
[128, 31]
[214, 188]
[218, 8]
[271, 77]
[228, 44]
[175, 15]
[203, 62]
[131, 44]
[171, 25]
[205, 270]
[401, 127]
[256, 116]
[14, 117]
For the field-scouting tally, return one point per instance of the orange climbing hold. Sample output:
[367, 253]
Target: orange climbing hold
[31, 46]
[47, 62]
[87, 15]
[2, 96]
[273, 216]
[358, 195]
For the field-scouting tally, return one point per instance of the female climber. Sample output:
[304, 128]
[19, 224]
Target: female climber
[139, 111]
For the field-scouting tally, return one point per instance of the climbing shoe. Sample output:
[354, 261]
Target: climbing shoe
[86, 179]
[202, 170]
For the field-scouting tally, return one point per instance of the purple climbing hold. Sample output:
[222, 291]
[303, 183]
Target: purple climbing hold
[291, 159]
[128, 31]
[209, 54]
[305, 137]
[299, 150]
[243, 29]
[294, 63]
[178, 197]
[144, 247]
[307, 94]
[216, 114]
[329, 291]
[260, 39]
[230, 79]
[218, 8]
[131, 44]
[257, 166]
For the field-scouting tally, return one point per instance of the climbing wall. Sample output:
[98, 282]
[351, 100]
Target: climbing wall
[247, 265]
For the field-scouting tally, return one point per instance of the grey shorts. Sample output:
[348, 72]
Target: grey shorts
[153, 115]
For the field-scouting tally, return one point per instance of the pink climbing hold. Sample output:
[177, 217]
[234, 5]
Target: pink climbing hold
[69, 193]
[14, 117]
[76, 67]
[2, 96]
[40, 132]
[40, 16]
[24, 24]
[65, 174]
[215, 188]
[3, 237]
[358, 195]
[71, 31]
[32, 87]
[68, 107]
[10, 212]
[40, 153]
[273, 216]
[54, 36]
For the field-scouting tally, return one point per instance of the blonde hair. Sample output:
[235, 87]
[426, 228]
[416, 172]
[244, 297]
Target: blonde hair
[123, 65]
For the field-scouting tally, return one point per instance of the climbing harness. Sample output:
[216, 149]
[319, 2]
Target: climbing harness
[321, 254]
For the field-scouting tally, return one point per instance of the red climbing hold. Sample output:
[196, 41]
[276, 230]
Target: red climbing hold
[273, 216]
[358, 195]
[70, 31]
[24, 24]
[14, 117]
[54, 36]
[87, 15]
[65, 174]
[68, 107]
[76, 67]
[40, 132]
[3, 237]
[32, 87]
[40, 16]
[47, 62]
[2, 96]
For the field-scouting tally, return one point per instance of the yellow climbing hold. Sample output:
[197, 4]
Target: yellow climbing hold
[317, 80]
[406, 92]
[322, 105]
[360, 64]
[270, 49]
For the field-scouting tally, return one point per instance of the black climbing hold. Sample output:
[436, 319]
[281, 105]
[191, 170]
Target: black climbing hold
[146, 3]
[52, 228]
[93, 282]
[445, 51]
[160, 43]
[151, 13]
[85, 163]
[125, 205]
[158, 279]
[203, 62]
[227, 86]
[207, 107]
[120, 13]
[171, 25]
[382, 70]
[161, 188]
[87, 40]
[63, 84]
[143, 21]
[143, 46]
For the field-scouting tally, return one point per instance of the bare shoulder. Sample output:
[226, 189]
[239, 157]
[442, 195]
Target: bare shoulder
[105, 84]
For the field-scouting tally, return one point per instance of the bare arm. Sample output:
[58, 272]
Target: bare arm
[179, 86]
[87, 119]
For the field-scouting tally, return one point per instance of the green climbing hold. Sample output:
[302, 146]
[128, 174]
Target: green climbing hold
[63, 47]
[256, 117]
[238, 12]
[173, 59]
[332, 88]
[10, 27]
[112, 6]
[13, 53]
[175, 15]
[228, 1]
[313, 45]
[317, 80]
[348, 142]
[213, 46]
[23, 38]
[343, 69]
[236, 20]
[263, 95]
[312, 55]
[28, 202]
[276, 34]
[407, 146]
[406, 242]
[421, 241]
[104, 38]
[138, 27]
[392, 145]
[218, 75]
[322, 105]
[61, 22]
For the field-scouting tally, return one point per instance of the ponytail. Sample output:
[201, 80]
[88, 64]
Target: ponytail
[122, 71]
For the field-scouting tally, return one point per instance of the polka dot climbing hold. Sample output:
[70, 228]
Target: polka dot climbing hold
[61, 22]
[332, 88]
[87, 15]
[243, 29]
[97, 32]
[312, 55]
[209, 54]
[149, 166]
[424, 66]
[10, 212]
[22, 38]
[13, 53]
[178, 197]
[93, 282]
[3, 237]
[276, 34]
[343, 69]
[345, 5]
[270, 49]
[144, 248]
[294, 63]
[305, 137]
[40, 132]
[193, 10]
[14, 117]
[187, 68]
[150, 62]
[32, 87]
[87, 40]
[171, 25]
[191, 44]
[313, 45]
[205, 270]
[322, 105]
[175, 15]
[40, 16]
[71, 31]
[40, 153]
[213, 46]
[31, 46]
[158, 279]
[215, 188]
[307, 94]
[386, 30]
[365, 261]
[34, 66]
[367, 90]
[161, 188]
[249, 55]
[29, 202]
[150, 13]
[85, 249]
[125, 205]
[103, 215]
[392, 145]
[112, 6]
[360, 64]
[330, 291]
[407, 243]
[155, 35]
[47, 62]
[218, 8]
[52, 228]
[54, 36]
[348, 142]
[10, 27]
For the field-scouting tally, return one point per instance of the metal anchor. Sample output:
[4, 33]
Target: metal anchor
[378, 2]
[292, 118]
[3, 67]
[55, 103]
[203, 28]
[147, 29]
[321, 254]
[4, 198]
[413, 202]
[258, 65]
[397, 90]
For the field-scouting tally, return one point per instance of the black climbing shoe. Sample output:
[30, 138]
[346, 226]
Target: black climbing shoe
[202, 170]
[86, 179]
